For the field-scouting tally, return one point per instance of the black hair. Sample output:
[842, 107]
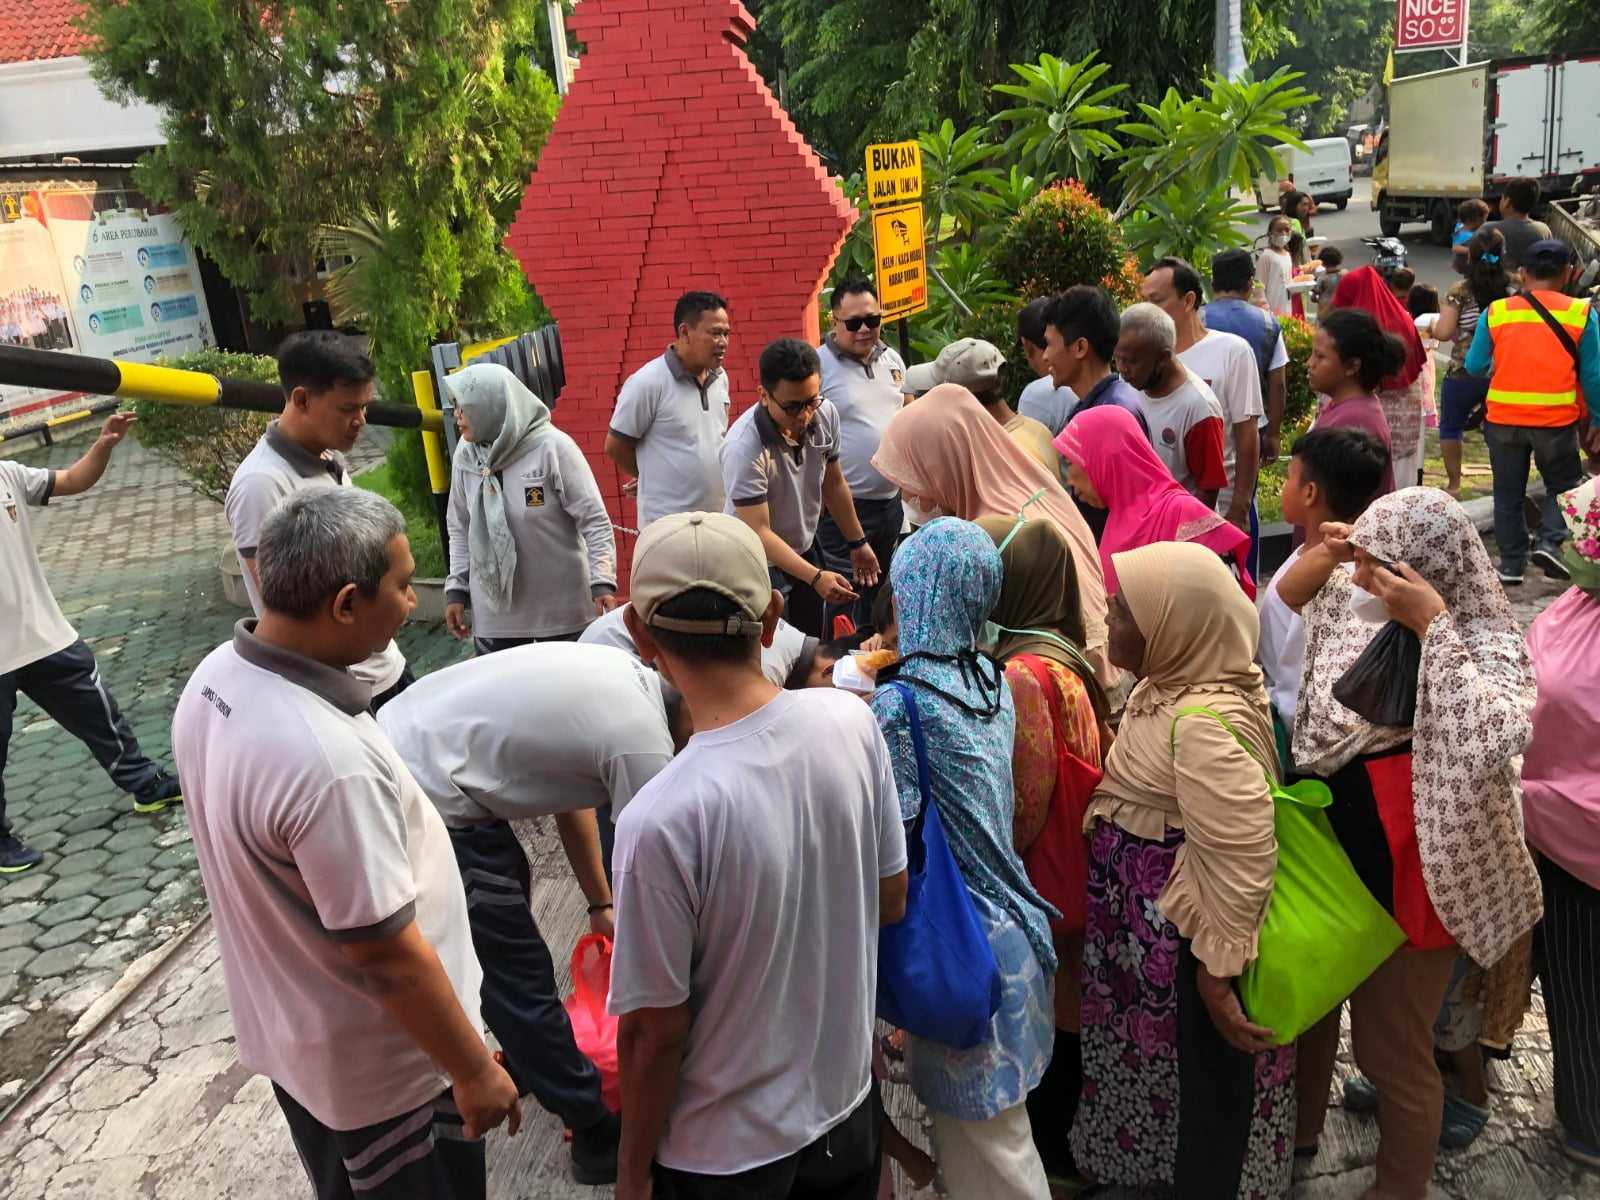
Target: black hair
[1033, 318]
[787, 358]
[883, 614]
[1232, 271]
[691, 306]
[855, 285]
[1487, 279]
[701, 604]
[1401, 279]
[1421, 299]
[1289, 203]
[1356, 334]
[1472, 210]
[836, 648]
[1330, 256]
[1185, 279]
[1296, 246]
[318, 359]
[1088, 312]
[1347, 464]
[1523, 193]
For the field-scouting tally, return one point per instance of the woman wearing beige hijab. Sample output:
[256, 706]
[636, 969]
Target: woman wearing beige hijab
[950, 458]
[1180, 1089]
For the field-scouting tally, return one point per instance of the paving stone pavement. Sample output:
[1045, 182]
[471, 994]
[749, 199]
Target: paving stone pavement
[153, 1102]
[134, 565]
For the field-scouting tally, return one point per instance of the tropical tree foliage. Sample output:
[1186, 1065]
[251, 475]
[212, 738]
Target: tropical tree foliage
[415, 122]
[1057, 129]
[1188, 222]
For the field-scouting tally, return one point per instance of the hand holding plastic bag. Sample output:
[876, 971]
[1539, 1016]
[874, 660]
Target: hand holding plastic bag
[593, 1028]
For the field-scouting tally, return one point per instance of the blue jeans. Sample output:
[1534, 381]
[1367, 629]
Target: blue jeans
[1555, 452]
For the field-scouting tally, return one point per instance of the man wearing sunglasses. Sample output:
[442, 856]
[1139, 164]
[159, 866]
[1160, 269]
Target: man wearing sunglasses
[864, 379]
[780, 468]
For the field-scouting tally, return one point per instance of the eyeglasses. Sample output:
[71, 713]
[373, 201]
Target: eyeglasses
[854, 324]
[804, 406]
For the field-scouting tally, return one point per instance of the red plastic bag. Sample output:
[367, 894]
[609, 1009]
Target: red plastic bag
[593, 1028]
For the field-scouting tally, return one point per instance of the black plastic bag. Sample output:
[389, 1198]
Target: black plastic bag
[1381, 685]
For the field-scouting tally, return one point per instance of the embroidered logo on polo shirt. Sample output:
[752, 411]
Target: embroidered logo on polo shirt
[533, 495]
[897, 376]
[10, 503]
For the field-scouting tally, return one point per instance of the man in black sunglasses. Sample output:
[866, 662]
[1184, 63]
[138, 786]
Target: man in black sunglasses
[865, 380]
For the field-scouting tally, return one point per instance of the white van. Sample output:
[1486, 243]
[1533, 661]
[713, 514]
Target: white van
[1322, 169]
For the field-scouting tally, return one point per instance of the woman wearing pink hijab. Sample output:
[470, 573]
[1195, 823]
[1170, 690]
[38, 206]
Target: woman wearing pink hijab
[950, 458]
[1110, 465]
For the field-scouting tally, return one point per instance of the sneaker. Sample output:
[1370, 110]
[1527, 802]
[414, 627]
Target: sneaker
[1360, 1095]
[594, 1151]
[15, 857]
[1509, 578]
[159, 796]
[1463, 1121]
[1549, 561]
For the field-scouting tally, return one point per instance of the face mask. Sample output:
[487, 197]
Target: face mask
[921, 516]
[1367, 607]
[1278, 240]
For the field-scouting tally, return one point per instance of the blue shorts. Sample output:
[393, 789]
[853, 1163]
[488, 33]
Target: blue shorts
[1462, 393]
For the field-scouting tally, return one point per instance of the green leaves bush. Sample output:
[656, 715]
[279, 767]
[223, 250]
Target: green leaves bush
[1063, 237]
[206, 444]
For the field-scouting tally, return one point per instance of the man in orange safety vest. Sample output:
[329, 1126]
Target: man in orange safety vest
[1541, 350]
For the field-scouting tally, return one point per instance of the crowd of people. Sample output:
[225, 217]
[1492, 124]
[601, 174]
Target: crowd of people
[925, 699]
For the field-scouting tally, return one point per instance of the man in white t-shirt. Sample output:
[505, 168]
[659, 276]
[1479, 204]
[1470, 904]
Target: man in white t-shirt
[43, 657]
[590, 729]
[1228, 366]
[794, 660]
[339, 911]
[1182, 415]
[327, 384]
[746, 991]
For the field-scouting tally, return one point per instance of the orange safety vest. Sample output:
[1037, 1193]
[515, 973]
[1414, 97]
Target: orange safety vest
[1535, 381]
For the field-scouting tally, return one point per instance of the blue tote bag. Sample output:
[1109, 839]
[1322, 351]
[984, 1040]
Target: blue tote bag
[937, 977]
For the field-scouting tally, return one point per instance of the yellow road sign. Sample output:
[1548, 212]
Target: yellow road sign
[902, 266]
[894, 173]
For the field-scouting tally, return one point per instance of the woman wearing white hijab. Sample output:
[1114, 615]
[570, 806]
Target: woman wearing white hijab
[531, 548]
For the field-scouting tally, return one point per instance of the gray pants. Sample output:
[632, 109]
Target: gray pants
[67, 685]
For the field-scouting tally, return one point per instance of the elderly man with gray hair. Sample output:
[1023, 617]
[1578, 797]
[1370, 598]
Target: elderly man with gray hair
[1185, 418]
[340, 913]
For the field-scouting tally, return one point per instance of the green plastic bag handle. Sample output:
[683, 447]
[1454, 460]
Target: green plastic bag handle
[1308, 793]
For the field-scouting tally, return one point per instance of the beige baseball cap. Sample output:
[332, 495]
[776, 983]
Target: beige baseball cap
[971, 362]
[685, 551]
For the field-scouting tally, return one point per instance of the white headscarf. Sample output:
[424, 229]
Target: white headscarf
[506, 420]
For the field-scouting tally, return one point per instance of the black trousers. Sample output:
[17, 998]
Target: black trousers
[880, 521]
[420, 1155]
[520, 1003]
[1567, 952]
[488, 645]
[67, 685]
[842, 1164]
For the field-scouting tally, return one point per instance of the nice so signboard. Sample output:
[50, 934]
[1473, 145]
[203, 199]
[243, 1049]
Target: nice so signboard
[1429, 24]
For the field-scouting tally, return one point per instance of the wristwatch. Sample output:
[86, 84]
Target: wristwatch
[856, 545]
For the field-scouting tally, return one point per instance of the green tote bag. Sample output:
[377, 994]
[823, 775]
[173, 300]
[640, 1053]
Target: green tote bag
[1324, 934]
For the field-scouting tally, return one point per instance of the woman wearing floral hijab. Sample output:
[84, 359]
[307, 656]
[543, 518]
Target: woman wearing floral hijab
[946, 579]
[1181, 1090]
[531, 548]
[1430, 815]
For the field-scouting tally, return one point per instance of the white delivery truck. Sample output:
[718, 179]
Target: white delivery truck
[1321, 170]
[1462, 132]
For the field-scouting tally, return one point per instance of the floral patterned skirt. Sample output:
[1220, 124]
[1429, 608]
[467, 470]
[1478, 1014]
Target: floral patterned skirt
[1166, 1102]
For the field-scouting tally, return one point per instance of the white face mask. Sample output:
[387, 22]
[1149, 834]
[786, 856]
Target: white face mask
[918, 515]
[1278, 240]
[1367, 607]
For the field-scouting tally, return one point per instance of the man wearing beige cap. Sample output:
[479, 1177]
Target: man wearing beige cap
[746, 988]
[975, 364]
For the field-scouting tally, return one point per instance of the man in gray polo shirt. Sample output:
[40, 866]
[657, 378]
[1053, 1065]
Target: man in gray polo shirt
[780, 466]
[340, 916]
[672, 412]
[863, 379]
[327, 385]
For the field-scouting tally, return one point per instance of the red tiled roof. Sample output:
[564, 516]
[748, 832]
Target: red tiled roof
[31, 29]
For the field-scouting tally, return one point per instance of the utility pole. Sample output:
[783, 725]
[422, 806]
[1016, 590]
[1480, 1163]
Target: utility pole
[558, 43]
[1228, 41]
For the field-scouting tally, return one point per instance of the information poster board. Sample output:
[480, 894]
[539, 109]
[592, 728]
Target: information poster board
[902, 267]
[88, 269]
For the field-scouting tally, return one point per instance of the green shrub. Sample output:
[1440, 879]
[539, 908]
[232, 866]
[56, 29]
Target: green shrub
[206, 444]
[998, 324]
[1299, 407]
[1063, 237]
[422, 523]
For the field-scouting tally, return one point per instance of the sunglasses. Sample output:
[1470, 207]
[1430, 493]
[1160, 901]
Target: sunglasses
[854, 324]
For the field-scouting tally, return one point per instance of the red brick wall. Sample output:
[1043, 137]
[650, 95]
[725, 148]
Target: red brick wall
[671, 168]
